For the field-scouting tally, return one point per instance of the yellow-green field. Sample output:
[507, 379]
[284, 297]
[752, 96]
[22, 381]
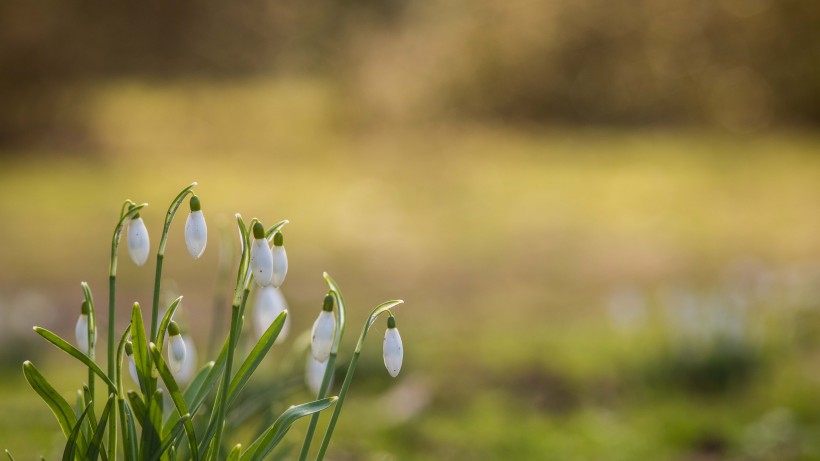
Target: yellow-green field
[548, 274]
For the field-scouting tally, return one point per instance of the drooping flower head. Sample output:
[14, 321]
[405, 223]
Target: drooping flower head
[323, 329]
[393, 350]
[139, 244]
[196, 231]
[280, 260]
[176, 348]
[269, 303]
[81, 329]
[314, 373]
[261, 256]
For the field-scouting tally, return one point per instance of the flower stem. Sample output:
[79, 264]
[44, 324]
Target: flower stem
[155, 303]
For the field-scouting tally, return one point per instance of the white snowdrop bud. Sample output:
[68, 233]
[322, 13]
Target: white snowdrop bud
[393, 350]
[176, 348]
[280, 260]
[261, 256]
[323, 330]
[138, 242]
[196, 231]
[81, 329]
[269, 303]
[132, 366]
[314, 373]
[188, 368]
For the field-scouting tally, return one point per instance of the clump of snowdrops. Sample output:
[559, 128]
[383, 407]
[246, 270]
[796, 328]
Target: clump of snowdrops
[145, 424]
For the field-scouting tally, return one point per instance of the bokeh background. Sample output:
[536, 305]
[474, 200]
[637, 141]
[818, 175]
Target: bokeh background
[604, 216]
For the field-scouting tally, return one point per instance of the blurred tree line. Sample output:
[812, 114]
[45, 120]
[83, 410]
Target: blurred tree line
[736, 64]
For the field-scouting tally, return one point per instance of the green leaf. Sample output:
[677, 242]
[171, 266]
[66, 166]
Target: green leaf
[88, 399]
[171, 437]
[62, 411]
[96, 442]
[196, 384]
[274, 434]
[176, 396]
[76, 433]
[140, 345]
[209, 381]
[8, 453]
[152, 428]
[235, 452]
[72, 351]
[130, 433]
[120, 352]
[255, 357]
[166, 319]
[140, 410]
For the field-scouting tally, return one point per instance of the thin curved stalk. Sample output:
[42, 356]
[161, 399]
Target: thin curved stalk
[381, 308]
[92, 338]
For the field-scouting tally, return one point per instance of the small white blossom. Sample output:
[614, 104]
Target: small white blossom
[81, 331]
[176, 348]
[269, 303]
[323, 329]
[196, 231]
[139, 244]
[261, 257]
[280, 260]
[314, 373]
[393, 350]
[188, 368]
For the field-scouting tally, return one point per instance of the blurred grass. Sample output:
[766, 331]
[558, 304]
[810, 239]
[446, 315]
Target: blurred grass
[505, 243]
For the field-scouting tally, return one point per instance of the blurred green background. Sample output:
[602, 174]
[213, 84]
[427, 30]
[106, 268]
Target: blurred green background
[604, 216]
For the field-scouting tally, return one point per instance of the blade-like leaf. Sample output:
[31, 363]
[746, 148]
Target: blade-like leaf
[88, 399]
[152, 428]
[140, 346]
[235, 452]
[96, 442]
[196, 384]
[131, 431]
[62, 411]
[73, 439]
[255, 357]
[166, 319]
[271, 437]
[138, 406]
[171, 437]
[74, 352]
[176, 396]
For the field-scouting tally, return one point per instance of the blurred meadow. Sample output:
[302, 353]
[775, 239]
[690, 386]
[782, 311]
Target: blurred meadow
[604, 217]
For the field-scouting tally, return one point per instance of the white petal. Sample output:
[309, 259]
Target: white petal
[314, 373]
[186, 372]
[138, 242]
[393, 351]
[176, 353]
[268, 305]
[196, 233]
[261, 262]
[81, 332]
[132, 370]
[280, 265]
[322, 336]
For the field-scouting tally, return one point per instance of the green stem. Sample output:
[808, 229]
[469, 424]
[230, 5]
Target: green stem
[155, 303]
[331, 362]
[381, 308]
[226, 382]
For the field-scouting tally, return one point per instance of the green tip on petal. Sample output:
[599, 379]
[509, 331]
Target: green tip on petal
[391, 322]
[129, 348]
[173, 328]
[328, 303]
[84, 308]
[131, 207]
[278, 239]
[195, 205]
[258, 230]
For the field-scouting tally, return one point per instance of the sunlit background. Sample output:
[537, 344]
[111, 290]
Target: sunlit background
[604, 216]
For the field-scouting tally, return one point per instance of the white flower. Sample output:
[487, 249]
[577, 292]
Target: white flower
[268, 305]
[261, 257]
[176, 348]
[393, 350]
[323, 329]
[280, 260]
[196, 231]
[138, 242]
[188, 368]
[314, 373]
[81, 331]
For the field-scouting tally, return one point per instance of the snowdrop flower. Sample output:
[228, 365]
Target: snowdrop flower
[323, 330]
[138, 242]
[280, 260]
[81, 329]
[314, 373]
[268, 305]
[186, 371]
[132, 366]
[393, 351]
[196, 232]
[261, 256]
[176, 348]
